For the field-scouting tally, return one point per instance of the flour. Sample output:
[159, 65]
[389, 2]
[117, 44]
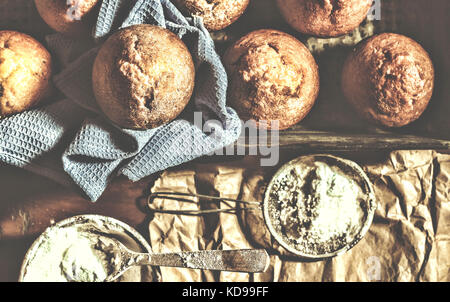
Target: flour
[68, 254]
[317, 209]
[81, 249]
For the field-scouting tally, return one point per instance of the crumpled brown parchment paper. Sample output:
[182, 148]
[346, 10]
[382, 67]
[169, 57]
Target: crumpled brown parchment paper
[409, 239]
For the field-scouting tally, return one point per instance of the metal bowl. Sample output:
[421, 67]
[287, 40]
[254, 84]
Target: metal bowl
[112, 226]
[351, 169]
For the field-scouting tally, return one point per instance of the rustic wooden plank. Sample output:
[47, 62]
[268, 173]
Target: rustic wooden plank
[424, 21]
[329, 141]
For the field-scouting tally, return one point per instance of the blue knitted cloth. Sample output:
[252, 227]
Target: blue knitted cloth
[71, 142]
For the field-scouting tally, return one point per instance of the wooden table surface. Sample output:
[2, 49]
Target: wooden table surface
[30, 203]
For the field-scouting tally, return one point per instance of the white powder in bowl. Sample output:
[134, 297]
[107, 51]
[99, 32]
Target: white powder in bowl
[68, 254]
[316, 207]
[78, 249]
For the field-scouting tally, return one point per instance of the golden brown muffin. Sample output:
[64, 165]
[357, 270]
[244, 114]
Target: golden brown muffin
[273, 76]
[25, 71]
[216, 14]
[389, 79]
[324, 18]
[143, 77]
[73, 17]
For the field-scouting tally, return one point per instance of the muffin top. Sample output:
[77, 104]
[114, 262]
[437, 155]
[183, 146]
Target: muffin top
[143, 77]
[216, 14]
[273, 77]
[70, 17]
[324, 18]
[25, 70]
[389, 78]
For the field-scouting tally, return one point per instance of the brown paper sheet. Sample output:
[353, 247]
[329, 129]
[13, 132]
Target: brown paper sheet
[408, 241]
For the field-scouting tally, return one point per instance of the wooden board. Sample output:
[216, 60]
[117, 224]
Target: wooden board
[332, 125]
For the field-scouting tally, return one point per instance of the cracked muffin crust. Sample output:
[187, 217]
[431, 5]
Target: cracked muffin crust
[389, 79]
[73, 17]
[25, 71]
[273, 76]
[324, 18]
[216, 14]
[143, 77]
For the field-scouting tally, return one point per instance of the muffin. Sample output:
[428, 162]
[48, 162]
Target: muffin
[389, 79]
[324, 18]
[25, 71]
[273, 77]
[143, 77]
[216, 14]
[73, 17]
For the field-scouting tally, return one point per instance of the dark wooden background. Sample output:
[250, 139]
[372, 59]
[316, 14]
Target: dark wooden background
[30, 203]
